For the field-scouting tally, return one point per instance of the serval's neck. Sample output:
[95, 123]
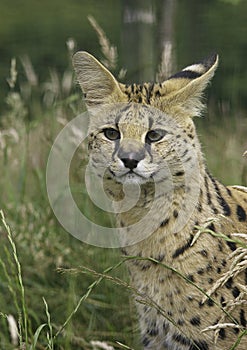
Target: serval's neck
[161, 209]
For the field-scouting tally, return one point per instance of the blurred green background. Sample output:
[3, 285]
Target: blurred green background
[44, 97]
[195, 28]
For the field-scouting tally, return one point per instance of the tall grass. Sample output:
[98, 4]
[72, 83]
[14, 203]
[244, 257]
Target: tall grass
[47, 307]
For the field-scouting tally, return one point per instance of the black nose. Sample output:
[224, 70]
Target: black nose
[130, 163]
[131, 158]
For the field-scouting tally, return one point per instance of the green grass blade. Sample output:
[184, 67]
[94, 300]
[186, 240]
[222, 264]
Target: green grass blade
[36, 336]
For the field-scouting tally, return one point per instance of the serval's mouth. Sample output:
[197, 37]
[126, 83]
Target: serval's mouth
[130, 176]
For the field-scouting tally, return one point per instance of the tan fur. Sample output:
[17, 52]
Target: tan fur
[192, 226]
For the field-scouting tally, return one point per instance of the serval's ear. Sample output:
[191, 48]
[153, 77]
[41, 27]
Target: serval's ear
[185, 88]
[97, 83]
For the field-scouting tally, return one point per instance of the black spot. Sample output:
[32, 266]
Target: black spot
[228, 283]
[153, 331]
[223, 262]
[210, 302]
[175, 213]
[199, 207]
[221, 200]
[241, 213]
[190, 278]
[145, 341]
[181, 250]
[218, 269]
[222, 333]
[209, 267]
[231, 245]
[203, 252]
[184, 154]
[222, 301]
[211, 227]
[229, 192]
[199, 344]
[200, 271]
[210, 280]
[166, 327]
[191, 136]
[195, 225]
[195, 321]
[242, 318]
[180, 173]
[180, 322]
[128, 94]
[146, 267]
[179, 338]
[207, 191]
[235, 292]
[225, 206]
[157, 93]
[236, 330]
[164, 223]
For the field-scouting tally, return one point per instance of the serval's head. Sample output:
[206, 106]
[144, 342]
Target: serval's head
[142, 133]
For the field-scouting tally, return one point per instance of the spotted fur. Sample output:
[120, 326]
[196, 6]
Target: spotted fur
[202, 260]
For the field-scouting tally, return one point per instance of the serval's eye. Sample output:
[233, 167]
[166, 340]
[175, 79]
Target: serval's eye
[155, 135]
[111, 134]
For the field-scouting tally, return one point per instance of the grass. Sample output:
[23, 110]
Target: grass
[47, 301]
[22, 322]
[33, 246]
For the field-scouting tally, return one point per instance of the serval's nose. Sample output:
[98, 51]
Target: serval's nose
[131, 158]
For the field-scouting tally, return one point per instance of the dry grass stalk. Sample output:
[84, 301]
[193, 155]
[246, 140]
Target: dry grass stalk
[13, 74]
[108, 50]
[165, 67]
[238, 265]
[13, 329]
[100, 345]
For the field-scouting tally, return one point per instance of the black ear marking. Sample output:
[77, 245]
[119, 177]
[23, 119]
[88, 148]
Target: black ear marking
[187, 74]
[197, 69]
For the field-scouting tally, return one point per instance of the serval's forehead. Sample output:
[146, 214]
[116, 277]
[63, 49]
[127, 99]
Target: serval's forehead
[135, 114]
[130, 115]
